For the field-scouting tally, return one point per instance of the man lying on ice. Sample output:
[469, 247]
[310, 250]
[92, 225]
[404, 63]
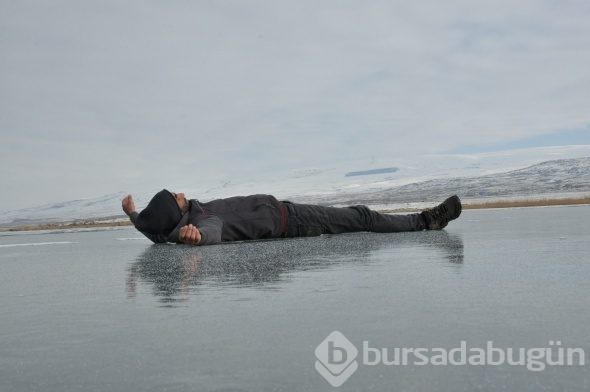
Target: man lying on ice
[170, 217]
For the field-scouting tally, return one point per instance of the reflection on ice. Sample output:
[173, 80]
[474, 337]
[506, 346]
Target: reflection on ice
[174, 270]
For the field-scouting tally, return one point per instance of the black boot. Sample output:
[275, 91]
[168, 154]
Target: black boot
[438, 217]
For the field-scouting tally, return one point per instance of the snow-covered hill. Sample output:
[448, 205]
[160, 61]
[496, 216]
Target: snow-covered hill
[558, 177]
[524, 173]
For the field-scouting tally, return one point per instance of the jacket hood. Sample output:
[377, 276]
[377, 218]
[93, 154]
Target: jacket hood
[161, 215]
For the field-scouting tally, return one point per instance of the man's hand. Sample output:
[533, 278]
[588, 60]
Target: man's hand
[128, 204]
[190, 235]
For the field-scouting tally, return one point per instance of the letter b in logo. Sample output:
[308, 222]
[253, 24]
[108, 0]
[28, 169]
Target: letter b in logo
[336, 359]
[334, 353]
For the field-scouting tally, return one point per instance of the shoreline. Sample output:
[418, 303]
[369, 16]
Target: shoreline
[86, 224]
[467, 205]
[508, 203]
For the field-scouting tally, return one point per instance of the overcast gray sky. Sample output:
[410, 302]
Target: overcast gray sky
[105, 96]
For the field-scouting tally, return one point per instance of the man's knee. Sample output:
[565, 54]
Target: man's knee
[365, 215]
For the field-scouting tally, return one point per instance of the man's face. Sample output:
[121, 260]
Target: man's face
[181, 201]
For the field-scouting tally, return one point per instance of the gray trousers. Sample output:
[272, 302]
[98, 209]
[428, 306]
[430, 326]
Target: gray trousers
[307, 220]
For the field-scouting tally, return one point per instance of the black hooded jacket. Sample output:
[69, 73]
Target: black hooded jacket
[233, 219]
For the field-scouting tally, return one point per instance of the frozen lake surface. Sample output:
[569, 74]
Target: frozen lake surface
[108, 311]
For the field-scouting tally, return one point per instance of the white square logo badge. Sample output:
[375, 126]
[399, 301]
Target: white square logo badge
[336, 359]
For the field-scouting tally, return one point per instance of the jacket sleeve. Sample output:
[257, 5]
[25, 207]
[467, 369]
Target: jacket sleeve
[155, 238]
[210, 228]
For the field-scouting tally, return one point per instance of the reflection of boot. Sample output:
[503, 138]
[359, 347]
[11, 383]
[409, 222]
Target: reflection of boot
[438, 217]
[450, 244]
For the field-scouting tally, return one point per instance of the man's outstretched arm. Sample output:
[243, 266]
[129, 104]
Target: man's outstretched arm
[128, 204]
[129, 207]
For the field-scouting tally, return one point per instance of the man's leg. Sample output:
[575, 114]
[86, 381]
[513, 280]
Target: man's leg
[309, 220]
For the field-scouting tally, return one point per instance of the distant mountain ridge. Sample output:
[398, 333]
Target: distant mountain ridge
[550, 177]
[562, 176]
